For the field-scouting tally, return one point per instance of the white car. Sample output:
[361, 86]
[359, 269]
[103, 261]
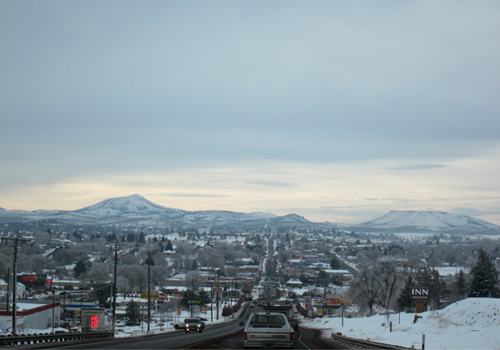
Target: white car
[121, 323]
[268, 330]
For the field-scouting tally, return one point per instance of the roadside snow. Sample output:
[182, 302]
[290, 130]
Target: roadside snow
[472, 323]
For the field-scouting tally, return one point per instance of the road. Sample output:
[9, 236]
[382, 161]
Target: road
[175, 340]
[226, 336]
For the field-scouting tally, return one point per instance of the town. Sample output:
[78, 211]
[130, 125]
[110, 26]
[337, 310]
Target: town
[158, 276]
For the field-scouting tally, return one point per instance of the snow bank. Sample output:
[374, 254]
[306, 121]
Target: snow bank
[472, 323]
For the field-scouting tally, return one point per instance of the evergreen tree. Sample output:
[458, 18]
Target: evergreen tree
[334, 264]
[142, 238]
[149, 261]
[79, 269]
[169, 246]
[405, 301]
[323, 279]
[130, 237]
[461, 288]
[485, 278]
[204, 298]
[188, 297]
[133, 312]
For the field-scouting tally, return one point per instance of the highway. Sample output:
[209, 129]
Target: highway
[226, 336]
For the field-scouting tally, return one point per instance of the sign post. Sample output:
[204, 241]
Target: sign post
[93, 319]
[420, 295]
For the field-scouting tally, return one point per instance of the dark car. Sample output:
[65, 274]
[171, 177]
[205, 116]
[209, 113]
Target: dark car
[194, 324]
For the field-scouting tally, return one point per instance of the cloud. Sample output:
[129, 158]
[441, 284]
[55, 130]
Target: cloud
[271, 183]
[419, 167]
[97, 90]
[195, 195]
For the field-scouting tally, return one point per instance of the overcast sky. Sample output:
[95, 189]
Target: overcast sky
[334, 110]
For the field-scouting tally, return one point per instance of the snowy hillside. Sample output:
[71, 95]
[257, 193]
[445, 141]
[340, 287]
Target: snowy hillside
[468, 324]
[135, 209]
[429, 219]
[135, 205]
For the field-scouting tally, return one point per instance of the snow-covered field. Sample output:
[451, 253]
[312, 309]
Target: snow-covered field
[472, 323]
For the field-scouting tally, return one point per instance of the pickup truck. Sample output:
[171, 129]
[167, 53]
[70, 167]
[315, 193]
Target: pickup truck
[194, 324]
[268, 330]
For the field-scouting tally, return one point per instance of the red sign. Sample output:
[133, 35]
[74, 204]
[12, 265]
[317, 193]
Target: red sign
[94, 322]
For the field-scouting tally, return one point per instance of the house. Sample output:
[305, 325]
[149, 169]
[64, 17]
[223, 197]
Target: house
[294, 283]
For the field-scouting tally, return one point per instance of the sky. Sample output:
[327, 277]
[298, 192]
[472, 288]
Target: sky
[337, 111]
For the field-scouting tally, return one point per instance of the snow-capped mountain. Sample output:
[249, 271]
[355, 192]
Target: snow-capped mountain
[136, 209]
[430, 220]
[291, 218]
[135, 205]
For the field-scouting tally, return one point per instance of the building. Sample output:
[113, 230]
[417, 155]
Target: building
[33, 315]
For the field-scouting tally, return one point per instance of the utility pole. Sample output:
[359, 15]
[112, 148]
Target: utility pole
[53, 308]
[114, 288]
[192, 296]
[8, 290]
[217, 298]
[14, 282]
[149, 291]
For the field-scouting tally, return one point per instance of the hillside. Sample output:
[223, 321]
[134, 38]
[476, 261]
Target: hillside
[468, 324]
[137, 210]
[429, 221]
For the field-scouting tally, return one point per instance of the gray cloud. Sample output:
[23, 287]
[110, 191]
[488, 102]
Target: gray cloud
[95, 88]
[271, 183]
[275, 82]
[196, 195]
[419, 167]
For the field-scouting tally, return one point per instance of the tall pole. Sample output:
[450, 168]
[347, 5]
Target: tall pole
[14, 291]
[53, 308]
[217, 298]
[192, 296]
[14, 282]
[114, 288]
[8, 290]
[149, 290]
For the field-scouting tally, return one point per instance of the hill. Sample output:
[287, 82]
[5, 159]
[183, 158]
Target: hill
[467, 324]
[137, 210]
[419, 221]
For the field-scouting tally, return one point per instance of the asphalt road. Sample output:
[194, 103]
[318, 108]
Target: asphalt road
[222, 336]
[175, 340]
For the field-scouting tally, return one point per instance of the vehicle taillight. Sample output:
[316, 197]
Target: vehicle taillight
[245, 335]
[292, 335]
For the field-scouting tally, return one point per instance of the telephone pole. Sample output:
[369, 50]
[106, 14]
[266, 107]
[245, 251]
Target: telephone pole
[149, 291]
[14, 282]
[114, 287]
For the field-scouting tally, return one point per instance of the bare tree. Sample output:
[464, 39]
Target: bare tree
[365, 288]
[390, 281]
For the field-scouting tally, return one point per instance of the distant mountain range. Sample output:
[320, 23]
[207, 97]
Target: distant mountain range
[424, 221]
[137, 210]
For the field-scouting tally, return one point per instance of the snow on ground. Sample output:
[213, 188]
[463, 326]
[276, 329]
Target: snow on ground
[472, 323]
[156, 327]
[168, 326]
[450, 270]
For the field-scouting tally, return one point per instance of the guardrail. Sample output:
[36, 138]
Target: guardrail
[43, 340]
[364, 344]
